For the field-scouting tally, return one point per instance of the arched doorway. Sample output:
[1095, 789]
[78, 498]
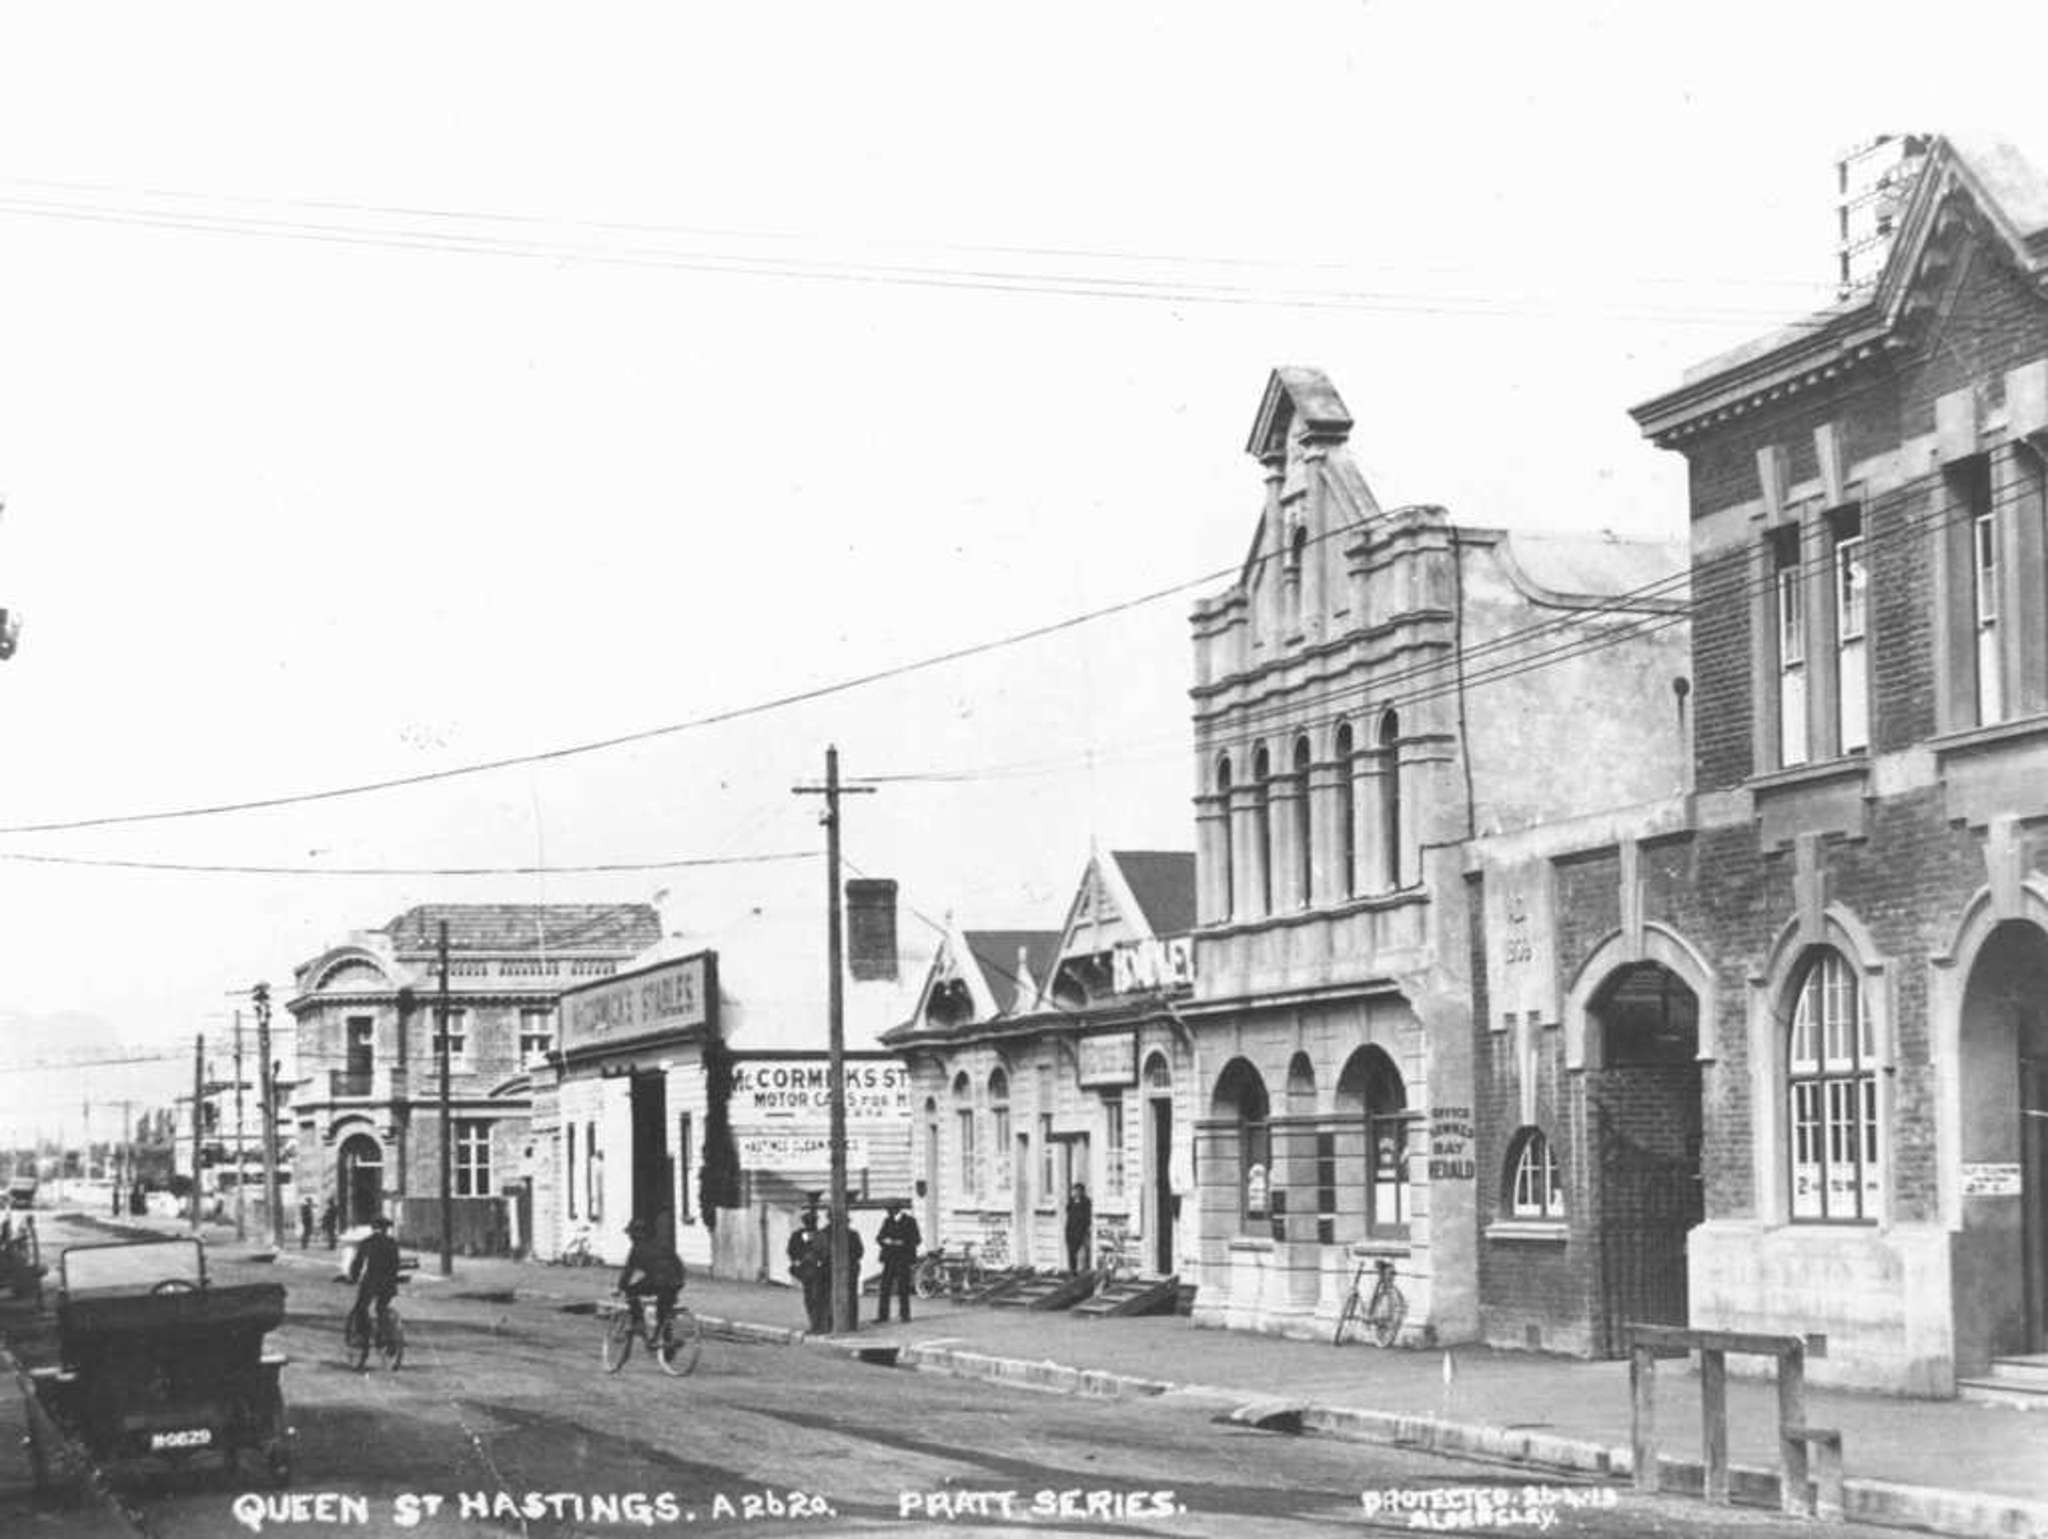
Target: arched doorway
[2001, 1256]
[1161, 1205]
[1643, 1111]
[361, 1173]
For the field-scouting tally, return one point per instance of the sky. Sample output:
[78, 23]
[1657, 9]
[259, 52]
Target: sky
[396, 389]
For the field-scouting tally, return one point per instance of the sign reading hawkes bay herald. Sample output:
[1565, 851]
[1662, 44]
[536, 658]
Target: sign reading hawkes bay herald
[668, 997]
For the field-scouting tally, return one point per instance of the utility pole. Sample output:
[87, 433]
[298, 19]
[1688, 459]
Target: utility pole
[241, 1210]
[198, 1116]
[447, 1130]
[843, 1298]
[260, 996]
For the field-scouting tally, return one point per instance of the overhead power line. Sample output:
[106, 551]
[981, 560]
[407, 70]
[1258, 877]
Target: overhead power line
[249, 870]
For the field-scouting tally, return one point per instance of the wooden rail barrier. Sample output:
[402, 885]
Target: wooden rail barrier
[1803, 1493]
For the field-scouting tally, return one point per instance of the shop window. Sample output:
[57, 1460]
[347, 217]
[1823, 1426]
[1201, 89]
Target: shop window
[568, 1139]
[1535, 1184]
[999, 1129]
[593, 1174]
[472, 1158]
[1113, 1145]
[1831, 1081]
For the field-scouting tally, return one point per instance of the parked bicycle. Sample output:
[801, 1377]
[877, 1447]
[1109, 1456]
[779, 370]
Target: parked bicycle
[374, 1329]
[951, 1272]
[578, 1251]
[1377, 1313]
[1116, 1258]
[675, 1343]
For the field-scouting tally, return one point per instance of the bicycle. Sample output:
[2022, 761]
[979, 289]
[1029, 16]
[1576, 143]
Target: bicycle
[948, 1272]
[386, 1338]
[1115, 1258]
[675, 1344]
[578, 1252]
[1379, 1314]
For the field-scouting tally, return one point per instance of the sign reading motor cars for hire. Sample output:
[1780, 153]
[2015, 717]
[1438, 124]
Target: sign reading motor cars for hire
[672, 996]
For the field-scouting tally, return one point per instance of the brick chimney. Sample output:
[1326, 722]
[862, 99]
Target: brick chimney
[871, 929]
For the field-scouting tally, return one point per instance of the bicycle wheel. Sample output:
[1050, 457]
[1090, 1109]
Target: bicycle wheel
[1384, 1314]
[393, 1343]
[1350, 1321]
[355, 1343]
[681, 1343]
[619, 1332]
[929, 1280]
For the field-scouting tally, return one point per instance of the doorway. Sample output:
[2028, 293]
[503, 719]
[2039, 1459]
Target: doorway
[1159, 1171]
[1643, 1104]
[361, 1172]
[654, 1166]
[930, 1183]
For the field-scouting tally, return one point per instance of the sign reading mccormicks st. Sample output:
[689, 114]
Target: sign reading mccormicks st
[653, 1001]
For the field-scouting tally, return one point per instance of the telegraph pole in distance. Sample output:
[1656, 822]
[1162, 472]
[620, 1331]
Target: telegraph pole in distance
[447, 1130]
[260, 995]
[241, 1170]
[198, 1113]
[835, 1074]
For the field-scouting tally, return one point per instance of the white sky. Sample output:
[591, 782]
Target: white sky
[389, 388]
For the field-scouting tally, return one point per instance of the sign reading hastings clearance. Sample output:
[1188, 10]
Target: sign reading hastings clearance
[673, 996]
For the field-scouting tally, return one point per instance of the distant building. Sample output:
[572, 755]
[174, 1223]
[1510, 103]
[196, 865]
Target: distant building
[629, 1122]
[1039, 1058]
[367, 1103]
[1377, 688]
[1803, 1016]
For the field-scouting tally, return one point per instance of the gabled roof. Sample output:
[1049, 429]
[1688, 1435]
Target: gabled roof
[1163, 884]
[1013, 963]
[1991, 181]
[612, 927]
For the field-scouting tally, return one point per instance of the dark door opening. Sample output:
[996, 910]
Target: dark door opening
[2034, 1196]
[361, 1169]
[654, 1170]
[1162, 1184]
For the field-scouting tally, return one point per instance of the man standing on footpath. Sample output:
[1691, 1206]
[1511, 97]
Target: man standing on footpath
[851, 1281]
[897, 1240]
[810, 1265]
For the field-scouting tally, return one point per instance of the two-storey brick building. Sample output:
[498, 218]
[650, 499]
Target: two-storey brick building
[367, 1103]
[1377, 688]
[1804, 1019]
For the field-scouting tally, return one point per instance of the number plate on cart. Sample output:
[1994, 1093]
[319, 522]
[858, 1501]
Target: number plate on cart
[192, 1437]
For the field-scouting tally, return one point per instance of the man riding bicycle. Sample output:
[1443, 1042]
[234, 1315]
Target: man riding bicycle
[652, 1269]
[376, 1265]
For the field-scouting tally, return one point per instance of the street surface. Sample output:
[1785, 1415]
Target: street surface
[503, 1421]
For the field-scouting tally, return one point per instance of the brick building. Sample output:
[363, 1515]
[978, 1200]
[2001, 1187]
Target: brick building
[1802, 1018]
[1039, 1058]
[367, 1102]
[1377, 688]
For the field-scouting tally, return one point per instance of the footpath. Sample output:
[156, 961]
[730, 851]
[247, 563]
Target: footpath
[1952, 1467]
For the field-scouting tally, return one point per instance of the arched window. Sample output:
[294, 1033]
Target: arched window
[1262, 824]
[1370, 1090]
[1347, 815]
[1304, 852]
[963, 1119]
[1831, 1080]
[1535, 1185]
[1390, 799]
[1229, 885]
[999, 1129]
[1240, 1103]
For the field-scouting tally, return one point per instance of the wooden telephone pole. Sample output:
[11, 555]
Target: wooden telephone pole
[844, 1299]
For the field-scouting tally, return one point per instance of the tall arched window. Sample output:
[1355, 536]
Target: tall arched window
[1831, 1081]
[1304, 851]
[1390, 799]
[1240, 1103]
[1224, 842]
[963, 1119]
[1262, 824]
[999, 1127]
[1346, 815]
[1370, 1088]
